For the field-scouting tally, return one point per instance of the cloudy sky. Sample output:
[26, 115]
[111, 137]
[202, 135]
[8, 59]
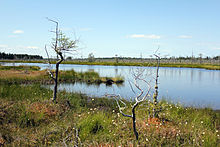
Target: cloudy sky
[109, 27]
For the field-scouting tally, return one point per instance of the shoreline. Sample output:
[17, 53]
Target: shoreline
[144, 64]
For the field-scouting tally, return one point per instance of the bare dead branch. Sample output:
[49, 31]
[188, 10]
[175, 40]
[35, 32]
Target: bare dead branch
[147, 93]
[139, 75]
[48, 70]
[155, 112]
[56, 31]
[51, 74]
[47, 54]
[137, 102]
[118, 98]
[51, 20]
[131, 87]
[157, 50]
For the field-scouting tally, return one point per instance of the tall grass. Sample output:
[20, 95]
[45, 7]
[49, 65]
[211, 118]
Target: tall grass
[15, 92]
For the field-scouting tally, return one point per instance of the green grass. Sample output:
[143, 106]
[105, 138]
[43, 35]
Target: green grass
[95, 126]
[178, 65]
[21, 67]
[29, 118]
[15, 92]
[88, 76]
[30, 75]
[183, 65]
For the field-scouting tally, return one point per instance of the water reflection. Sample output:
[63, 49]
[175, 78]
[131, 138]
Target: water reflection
[116, 70]
[192, 75]
[189, 86]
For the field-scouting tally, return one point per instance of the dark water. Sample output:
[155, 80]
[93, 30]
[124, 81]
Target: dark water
[191, 87]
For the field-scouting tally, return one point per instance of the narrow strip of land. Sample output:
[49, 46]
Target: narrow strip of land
[209, 66]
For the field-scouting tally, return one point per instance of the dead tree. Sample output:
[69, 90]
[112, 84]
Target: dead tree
[155, 95]
[141, 97]
[60, 45]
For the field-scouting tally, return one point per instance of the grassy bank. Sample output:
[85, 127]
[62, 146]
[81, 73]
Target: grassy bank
[20, 68]
[178, 65]
[28, 118]
[32, 74]
[203, 66]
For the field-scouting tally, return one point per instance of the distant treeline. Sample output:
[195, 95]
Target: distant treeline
[182, 60]
[18, 56]
[138, 58]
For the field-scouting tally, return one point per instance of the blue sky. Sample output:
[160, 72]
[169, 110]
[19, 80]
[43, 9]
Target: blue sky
[109, 27]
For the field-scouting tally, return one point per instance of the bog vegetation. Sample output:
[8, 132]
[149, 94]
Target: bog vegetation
[29, 118]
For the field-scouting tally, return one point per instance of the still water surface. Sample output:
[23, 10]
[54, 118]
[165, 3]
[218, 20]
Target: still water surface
[190, 87]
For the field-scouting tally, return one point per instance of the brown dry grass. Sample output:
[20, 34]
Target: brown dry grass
[47, 109]
[158, 127]
[21, 74]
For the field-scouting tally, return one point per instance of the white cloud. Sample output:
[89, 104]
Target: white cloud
[137, 36]
[18, 32]
[3, 46]
[32, 47]
[152, 36]
[185, 36]
[217, 48]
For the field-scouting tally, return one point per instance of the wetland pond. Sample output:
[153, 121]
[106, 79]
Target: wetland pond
[188, 86]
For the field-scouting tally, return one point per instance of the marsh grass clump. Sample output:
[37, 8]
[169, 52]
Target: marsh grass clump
[69, 74]
[94, 126]
[88, 77]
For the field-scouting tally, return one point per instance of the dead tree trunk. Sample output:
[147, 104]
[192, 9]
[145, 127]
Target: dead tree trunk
[134, 121]
[155, 101]
[56, 78]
